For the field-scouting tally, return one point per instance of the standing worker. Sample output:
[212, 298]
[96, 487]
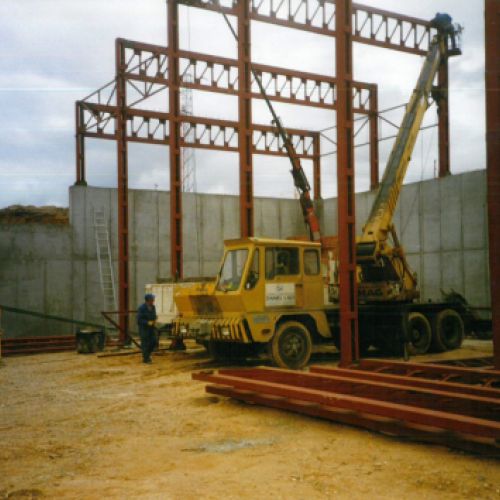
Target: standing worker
[146, 320]
[444, 24]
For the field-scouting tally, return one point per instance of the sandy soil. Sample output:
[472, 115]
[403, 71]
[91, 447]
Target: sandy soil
[75, 426]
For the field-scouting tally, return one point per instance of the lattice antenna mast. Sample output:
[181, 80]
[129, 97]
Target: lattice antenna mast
[188, 155]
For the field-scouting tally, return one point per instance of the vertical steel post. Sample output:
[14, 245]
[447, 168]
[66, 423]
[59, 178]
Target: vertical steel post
[174, 99]
[444, 119]
[374, 155]
[245, 119]
[349, 350]
[80, 146]
[122, 158]
[492, 44]
[317, 166]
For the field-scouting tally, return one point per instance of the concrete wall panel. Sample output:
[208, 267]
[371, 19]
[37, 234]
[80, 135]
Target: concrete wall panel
[452, 277]
[431, 216]
[451, 213]
[474, 210]
[442, 224]
[430, 277]
[475, 273]
[408, 228]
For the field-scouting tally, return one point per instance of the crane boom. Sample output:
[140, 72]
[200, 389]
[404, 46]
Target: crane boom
[384, 272]
[379, 221]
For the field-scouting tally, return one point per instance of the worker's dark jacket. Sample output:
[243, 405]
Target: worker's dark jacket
[144, 314]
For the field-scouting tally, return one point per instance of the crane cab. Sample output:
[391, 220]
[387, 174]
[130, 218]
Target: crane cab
[261, 285]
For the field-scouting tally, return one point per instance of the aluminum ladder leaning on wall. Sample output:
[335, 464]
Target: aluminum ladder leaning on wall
[104, 261]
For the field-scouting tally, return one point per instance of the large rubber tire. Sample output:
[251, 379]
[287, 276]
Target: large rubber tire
[291, 346]
[448, 330]
[419, 333]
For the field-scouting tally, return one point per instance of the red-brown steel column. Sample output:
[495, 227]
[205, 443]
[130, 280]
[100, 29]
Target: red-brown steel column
[492, 36]
[80, 146]
[245, 119]
[174, 141]
[373, 117]
[349, 350]
[122, 158]
[444, 119]
[317, 167]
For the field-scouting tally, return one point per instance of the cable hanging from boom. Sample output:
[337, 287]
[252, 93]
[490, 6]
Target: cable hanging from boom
[298, 174]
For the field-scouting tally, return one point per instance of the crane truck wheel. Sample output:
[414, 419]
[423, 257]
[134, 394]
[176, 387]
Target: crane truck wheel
[419, 333]
[448, 330]
[291, 345]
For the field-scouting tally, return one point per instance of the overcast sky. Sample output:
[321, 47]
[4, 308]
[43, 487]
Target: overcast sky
[54, 52]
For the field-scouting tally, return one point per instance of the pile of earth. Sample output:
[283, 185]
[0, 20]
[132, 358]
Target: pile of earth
[28, 214]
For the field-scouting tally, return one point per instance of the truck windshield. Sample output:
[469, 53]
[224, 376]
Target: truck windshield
[232, 270]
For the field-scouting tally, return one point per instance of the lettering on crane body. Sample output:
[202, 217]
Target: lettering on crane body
[280, 294]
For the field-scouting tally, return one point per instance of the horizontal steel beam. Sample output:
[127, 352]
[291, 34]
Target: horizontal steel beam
[151, 127]
[370, 25]
[35, 314]
[148, 64]
[412, 414]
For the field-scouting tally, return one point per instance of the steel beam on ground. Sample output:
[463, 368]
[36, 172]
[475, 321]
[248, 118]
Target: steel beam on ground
[122, 160]
[472, 405]
[349, 348]
[413, 414]
[492, 43]
[433, 370]
[410, 381]
[444, 119]
[174, 107]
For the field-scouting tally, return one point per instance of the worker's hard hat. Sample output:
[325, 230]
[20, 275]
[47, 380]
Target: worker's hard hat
[149, 296]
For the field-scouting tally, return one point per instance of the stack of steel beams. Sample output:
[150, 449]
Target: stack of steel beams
[454, 406]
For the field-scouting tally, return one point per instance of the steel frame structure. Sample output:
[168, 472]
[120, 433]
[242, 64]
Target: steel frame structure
[492, 43]
[349, 346]
[149, 69]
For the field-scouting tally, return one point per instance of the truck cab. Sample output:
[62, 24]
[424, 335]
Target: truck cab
[268, 294]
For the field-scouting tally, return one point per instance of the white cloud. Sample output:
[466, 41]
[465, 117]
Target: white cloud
[54, 52]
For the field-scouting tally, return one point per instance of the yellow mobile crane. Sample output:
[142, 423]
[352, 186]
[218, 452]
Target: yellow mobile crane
[282, 294]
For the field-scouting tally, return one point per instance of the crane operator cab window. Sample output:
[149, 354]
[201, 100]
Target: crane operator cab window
[232, 270]
[281, 261]
[311, 262]
[253, 272]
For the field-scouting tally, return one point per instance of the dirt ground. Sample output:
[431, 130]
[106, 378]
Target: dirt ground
[76, 426]
[28, 214]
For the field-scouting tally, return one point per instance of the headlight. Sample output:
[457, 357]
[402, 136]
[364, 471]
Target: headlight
[225, 331]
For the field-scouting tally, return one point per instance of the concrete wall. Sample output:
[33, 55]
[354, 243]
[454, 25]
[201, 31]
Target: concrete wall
[53, 269]
[208, 221]
[36, 274]
[443, 227]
